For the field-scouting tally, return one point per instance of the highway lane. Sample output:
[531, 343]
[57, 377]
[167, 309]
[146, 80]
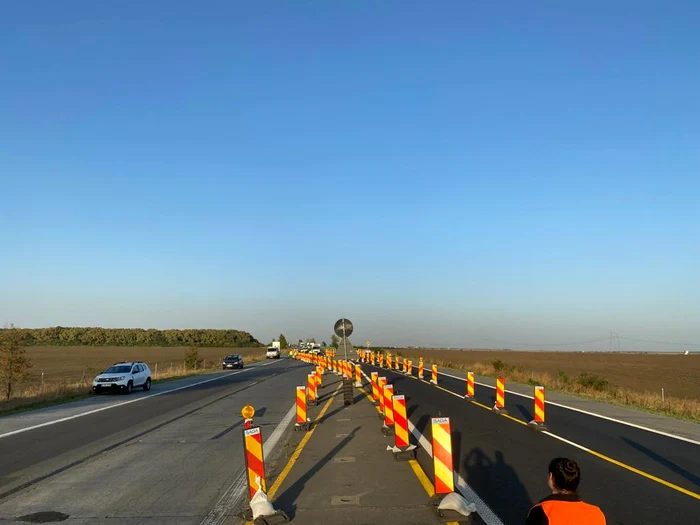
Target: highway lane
[506, 462]
[168, 458]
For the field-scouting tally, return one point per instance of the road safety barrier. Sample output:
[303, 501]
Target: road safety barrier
[538, 422]
[302, 419]
[434, 377]
[381, 383]
[374, 376]
[470, 385]
[358, 376]
[319, 377]
[500, 406]
[420, 368]
[388, 359]
[311, 388]
[396, 363]
[373, 359]
[402, 449]
[388, 428]
[381, 360]
[410, 368]
[254, 461]
[442, 455]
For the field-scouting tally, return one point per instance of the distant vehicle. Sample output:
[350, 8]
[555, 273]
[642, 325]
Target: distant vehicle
[123, 377]
[232, 361]
[276, 344]
[315, 349]
[272, 353]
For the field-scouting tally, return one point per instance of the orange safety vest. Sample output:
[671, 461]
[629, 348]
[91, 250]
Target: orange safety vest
[565, 509]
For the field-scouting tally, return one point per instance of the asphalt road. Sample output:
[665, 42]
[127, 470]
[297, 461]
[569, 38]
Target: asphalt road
[506, 463]
[175, 457]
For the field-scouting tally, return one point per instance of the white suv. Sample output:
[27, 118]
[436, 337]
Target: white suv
[123, 377]
[273, 353]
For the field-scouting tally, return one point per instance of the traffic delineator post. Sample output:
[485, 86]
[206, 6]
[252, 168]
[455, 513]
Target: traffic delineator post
[373, 359]
[374, 377]
[396, 363]
[470, 385]
[420, 368]
[538, 422]
[388, 427]
[319, 376]
[409, 367]
[311, 388]
[434, 375]
[358, 376]
[388, 359]
[500, 406]
[443, 473]
[402, 449]
[254, 461]
[381, 383]
[302, 422]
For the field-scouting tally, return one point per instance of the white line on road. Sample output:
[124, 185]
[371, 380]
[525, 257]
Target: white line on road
[236, 490]
[136, 400]
[586, 412]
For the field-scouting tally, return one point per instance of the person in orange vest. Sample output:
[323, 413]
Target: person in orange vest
[564, 506]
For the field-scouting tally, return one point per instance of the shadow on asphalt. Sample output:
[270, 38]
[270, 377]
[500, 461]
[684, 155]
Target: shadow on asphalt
[525, 412]
[695, 480]
[498, 483]
[286, 501]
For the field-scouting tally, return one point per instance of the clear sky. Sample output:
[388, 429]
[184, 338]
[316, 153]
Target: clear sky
[464, 173]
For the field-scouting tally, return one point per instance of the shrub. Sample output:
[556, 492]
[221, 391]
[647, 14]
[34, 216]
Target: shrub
[192, 359]
[593, 381]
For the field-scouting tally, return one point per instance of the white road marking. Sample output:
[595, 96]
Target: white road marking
[586, 412]
[135, 400]
[236, 490]
[485, 513]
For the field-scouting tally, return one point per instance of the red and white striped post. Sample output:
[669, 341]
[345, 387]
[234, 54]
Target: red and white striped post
[538, 422]
[500, 406]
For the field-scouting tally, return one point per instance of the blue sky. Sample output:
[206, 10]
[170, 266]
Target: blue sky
[465, 173]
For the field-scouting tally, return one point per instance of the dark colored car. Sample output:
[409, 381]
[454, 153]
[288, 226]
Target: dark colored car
[232, 361]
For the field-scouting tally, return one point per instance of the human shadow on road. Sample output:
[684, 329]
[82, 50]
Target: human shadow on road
[497, 483]
[286, 500]
[673, 467]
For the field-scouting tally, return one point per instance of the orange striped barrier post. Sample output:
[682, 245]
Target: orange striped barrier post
[254, 461]
[538, 422]
[500, 406]
[335, 370]
[388, 360]
[381, 360]
[434, 378]
[358, 376]
[420, 368]
[319, 378]
[470, 385]
[443, 469]
[374, 377]
[396, 363]
[402, 449]
[302, 422]
[409, 367]
[373, 359]
[381, 383]
[388, 428]
[311, 388]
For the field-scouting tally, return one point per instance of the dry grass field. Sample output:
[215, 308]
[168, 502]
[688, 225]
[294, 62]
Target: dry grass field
[633, 379]
[68, 371]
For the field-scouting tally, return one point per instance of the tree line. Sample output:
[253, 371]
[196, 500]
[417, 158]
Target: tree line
[95, 336]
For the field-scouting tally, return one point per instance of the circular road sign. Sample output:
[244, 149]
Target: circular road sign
[248, 412]
[343, 327]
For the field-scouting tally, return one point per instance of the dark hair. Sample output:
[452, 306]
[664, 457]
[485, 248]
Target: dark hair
[565, 473]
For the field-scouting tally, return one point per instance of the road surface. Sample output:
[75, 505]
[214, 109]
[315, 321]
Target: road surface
[172, 455]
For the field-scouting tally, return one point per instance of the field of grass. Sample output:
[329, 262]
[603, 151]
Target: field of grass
[68, 371]
[628, 379]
